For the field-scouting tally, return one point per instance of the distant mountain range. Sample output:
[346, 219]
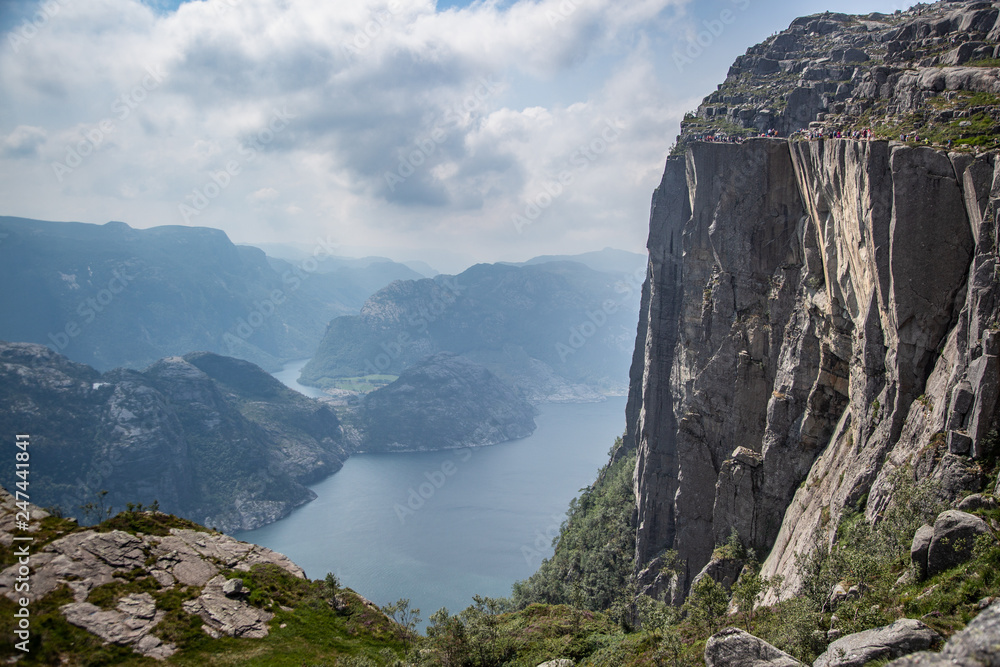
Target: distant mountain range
[557, 330]
[110, 295]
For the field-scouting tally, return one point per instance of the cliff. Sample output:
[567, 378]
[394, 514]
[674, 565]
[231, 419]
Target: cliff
[210, 438]
[818, 315]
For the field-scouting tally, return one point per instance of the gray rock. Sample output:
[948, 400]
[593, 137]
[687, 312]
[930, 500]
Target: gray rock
[733, 647]
[725, 571]
[955, 534]
[233, 588]
[128, 625]
[891, 641]
[560, 662]
[978, 645]
[224, 616]
[959, 443]
[977, 501]
[919, 547]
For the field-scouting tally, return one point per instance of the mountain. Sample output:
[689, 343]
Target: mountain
[443, 402]
[110, 295]
[208, 437]
[819, 324]
[609, 260]
[344, 281]
[556, 331]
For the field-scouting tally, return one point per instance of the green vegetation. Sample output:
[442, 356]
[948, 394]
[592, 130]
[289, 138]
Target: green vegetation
[148, 520]
[595, 548]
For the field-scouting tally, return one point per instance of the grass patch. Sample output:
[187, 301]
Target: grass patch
[147, 522]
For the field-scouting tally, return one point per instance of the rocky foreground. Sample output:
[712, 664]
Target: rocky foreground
[147, 591]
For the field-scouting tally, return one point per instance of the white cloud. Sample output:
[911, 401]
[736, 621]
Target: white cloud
[366, 88]
[24, 141]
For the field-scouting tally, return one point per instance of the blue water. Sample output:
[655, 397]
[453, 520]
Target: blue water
[439, 527]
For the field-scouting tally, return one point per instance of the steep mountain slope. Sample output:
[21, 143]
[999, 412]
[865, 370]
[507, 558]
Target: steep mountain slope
[818, 314]
[210, 438]
[556, 331]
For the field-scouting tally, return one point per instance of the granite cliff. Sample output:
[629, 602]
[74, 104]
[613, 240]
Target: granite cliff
[820, 314]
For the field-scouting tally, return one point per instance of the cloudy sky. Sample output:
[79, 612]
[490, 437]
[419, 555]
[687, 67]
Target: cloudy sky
[452, 131]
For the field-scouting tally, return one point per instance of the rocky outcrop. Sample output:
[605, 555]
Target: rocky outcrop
[978, 645]
[818, 315]
[733, 647]
[189, 560]
[953, 540]
[903, 637]
[915, 70]
[210, 438]
[444, 402]
[129, 624]
[226, 614]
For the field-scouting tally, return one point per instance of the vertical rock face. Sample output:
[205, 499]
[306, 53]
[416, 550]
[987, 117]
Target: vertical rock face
[816, 315]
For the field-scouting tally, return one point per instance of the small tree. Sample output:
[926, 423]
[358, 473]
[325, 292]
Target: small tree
[331, 586]
[406, 618]
[707, 604]
[447, 636]
[95, 511]
[749, 590]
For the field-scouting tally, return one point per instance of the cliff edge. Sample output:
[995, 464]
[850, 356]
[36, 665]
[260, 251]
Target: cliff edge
[818, 314]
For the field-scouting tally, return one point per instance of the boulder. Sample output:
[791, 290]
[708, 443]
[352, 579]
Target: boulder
[918, 548]
[233, 588]
[725, 571]
[561, 662]
[733, 647]
[223, 616]
[902, 637]
[978, 645]
[977, 501]
[955, 534]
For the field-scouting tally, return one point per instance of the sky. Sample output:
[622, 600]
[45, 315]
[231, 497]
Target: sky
[454, 132]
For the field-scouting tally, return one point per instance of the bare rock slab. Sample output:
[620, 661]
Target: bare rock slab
[130, 624]
[900, 638]
[733, 647]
